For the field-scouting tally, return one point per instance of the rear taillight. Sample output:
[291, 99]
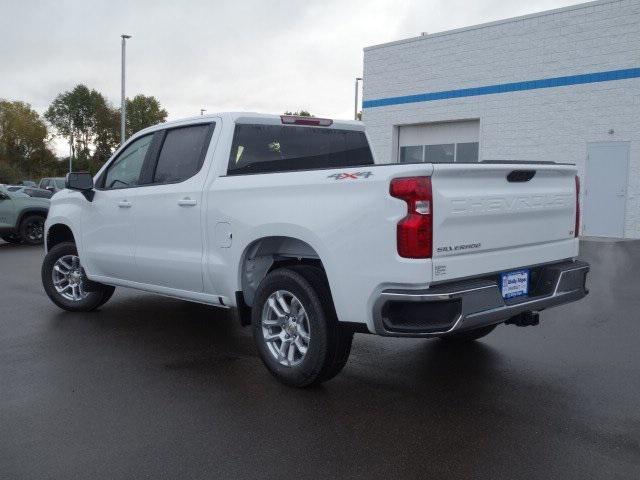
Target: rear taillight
[415, 231]
[577, 226]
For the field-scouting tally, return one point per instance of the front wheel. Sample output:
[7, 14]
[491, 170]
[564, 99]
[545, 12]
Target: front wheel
[64, 281]
[296, 329]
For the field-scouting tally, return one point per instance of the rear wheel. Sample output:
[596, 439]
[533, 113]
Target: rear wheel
[469, 335]
[296, 329]
[10, 238]
[32, 229]
[64, 281]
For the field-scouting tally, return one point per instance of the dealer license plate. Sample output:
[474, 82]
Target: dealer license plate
[515, 284]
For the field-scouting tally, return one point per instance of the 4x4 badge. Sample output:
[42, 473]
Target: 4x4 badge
[350, 175]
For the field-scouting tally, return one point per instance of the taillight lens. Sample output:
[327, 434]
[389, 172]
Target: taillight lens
[415, 231]
[577, 226]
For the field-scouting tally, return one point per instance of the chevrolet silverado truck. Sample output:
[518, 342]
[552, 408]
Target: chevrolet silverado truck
[290, 223]
[22, 217]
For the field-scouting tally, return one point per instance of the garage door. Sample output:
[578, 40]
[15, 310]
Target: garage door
[439, 142]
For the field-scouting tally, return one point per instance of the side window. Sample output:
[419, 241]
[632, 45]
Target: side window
[44, 183]
[182, 153]
[125, 170]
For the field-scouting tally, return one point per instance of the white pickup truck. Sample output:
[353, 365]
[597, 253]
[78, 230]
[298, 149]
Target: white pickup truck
[289, 222]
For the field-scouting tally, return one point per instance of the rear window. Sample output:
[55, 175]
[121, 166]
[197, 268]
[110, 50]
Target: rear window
[279, 148]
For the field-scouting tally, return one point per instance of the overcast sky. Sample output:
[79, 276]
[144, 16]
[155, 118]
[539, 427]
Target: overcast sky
[266, 56]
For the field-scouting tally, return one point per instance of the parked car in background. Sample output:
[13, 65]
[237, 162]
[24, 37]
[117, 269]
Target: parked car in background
[28, 183]
[289, 221]
[22, 217]
[54, 184]
[31, 191]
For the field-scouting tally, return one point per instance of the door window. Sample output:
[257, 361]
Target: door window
[124, 171]
[182, 153]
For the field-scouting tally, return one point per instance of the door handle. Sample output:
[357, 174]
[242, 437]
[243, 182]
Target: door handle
[187, 202]
[124, 204]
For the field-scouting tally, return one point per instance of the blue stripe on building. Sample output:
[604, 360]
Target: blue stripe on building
[507, 87]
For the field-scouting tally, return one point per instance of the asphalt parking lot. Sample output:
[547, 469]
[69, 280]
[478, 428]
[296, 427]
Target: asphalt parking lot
[150, 387]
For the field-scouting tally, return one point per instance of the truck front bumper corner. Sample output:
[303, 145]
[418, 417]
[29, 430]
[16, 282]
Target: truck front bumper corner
[475, 303]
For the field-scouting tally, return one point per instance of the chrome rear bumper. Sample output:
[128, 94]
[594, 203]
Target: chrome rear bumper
[471, 304]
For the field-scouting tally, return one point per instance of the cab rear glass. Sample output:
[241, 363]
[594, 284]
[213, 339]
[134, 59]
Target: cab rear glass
[284, 148]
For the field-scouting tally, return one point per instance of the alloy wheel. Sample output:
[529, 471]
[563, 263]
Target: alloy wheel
[285, 328]
[68, 278]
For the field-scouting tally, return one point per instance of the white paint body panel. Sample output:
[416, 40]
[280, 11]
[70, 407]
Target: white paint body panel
[479, 215]
[196, 253]
[108, 232]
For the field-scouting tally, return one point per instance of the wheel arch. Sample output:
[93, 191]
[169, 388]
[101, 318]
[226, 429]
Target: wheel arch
[58, 233]
[268, 253]
[31, 211]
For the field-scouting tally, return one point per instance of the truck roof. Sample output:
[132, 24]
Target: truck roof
[250, 117]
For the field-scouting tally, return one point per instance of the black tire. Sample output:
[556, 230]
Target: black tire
[11, 238]
[93, 299]
[107, 293]
[32, 229]
[469, 335]
[330, 343]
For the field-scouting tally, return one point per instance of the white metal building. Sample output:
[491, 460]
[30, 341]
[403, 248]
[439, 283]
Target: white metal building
[561, 85]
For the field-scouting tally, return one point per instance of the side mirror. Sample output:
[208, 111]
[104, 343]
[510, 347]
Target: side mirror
[51, 189]
[82, 182]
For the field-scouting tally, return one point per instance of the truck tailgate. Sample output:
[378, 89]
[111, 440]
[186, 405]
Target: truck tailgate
[492, 217]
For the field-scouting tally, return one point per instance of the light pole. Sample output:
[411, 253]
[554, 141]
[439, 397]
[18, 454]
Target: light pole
[70, 147]
[355, 108]
[123, 98]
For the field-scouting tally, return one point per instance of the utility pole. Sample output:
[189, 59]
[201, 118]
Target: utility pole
[123, 98]
[70, 148]
[355, 108]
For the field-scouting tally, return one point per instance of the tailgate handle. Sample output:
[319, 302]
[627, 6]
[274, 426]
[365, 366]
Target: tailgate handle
[520, 175]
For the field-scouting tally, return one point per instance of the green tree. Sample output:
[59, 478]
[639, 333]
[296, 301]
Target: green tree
[24, 153]
[142, 112]
[22, 132]
[301, 113]
[107, 135]
[77, 115]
